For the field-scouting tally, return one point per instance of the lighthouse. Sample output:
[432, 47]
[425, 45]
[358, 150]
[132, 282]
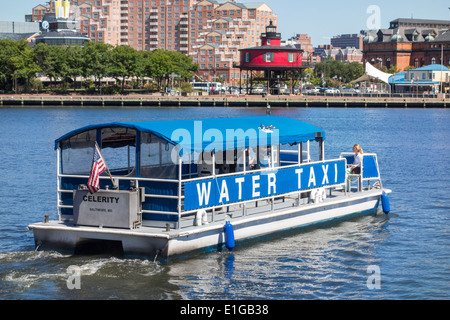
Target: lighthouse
[272, 59]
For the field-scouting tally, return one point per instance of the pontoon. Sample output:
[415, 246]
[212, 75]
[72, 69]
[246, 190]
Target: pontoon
[185, 186]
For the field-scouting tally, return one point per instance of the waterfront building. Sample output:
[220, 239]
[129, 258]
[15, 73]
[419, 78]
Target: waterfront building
[210, 31]
[408, 43]
[274, 61]
[433, 79]
[59, 29]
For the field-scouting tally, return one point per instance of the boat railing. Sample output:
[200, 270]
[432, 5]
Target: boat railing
[183, 218]
[369, 170]
[118, 180]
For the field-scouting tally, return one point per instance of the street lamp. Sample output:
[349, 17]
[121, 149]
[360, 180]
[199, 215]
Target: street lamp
[173, 75]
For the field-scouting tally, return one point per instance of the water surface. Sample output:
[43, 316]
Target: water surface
[410, 246]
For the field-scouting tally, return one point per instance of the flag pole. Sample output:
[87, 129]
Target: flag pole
[106, 167]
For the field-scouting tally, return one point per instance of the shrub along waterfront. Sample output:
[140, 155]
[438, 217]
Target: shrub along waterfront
[22, 65]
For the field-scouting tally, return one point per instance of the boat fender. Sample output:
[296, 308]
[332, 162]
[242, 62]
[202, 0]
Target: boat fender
[385, 203]
[229, 236]
[201, 218]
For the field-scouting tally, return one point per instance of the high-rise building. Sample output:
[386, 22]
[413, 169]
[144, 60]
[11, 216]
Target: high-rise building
[210, 31]
[348, 41]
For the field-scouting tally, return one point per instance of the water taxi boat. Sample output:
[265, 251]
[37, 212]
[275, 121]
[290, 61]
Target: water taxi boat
[177, 187]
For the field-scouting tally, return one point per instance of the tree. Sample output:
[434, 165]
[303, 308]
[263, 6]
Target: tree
[24, 64]
[97, 61]
[16, 63]
[347, 72]
[182, 64]
[125, 63]
[158, 65]
[45, 58]
[75, 62]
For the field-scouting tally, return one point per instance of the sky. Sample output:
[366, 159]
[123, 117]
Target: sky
[320, 19]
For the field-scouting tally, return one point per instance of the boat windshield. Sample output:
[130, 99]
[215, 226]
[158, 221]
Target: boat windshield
[118, 149]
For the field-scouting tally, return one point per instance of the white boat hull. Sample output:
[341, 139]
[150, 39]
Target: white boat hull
[153, 242]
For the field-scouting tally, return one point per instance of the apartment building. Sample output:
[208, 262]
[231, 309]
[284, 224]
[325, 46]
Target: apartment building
[210, 31]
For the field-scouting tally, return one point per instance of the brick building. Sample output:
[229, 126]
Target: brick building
[303, 42]
[210, 31]
[408, 42]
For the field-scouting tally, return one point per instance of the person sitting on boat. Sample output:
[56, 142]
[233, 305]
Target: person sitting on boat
[355, 167]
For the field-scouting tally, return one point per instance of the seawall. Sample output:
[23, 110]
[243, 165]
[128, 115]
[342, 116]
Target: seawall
[220, 101]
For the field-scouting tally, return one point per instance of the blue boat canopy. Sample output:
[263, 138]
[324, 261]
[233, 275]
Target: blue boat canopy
[221, 133]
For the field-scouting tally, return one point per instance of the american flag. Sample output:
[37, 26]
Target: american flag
[98, 166]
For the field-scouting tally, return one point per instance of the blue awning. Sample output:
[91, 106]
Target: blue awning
[220, 133]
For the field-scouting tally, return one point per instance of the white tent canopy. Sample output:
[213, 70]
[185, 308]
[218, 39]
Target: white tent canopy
[374, 72]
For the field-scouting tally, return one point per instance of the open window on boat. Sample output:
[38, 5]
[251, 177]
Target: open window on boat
[77, 152]
[118, 147]
[156, 157]
[119, 150]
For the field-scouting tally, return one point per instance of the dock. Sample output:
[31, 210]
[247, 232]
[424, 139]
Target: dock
[282, 101]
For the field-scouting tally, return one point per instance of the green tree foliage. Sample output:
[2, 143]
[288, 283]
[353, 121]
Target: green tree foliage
[159, 64]
[24, 64]
[16, 64]
[333, 69]
[95, 60]
[125, 63]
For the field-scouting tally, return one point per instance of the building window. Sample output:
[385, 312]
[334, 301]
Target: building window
[247, 56]
[268, 57]
[291, 57]
[433, 60]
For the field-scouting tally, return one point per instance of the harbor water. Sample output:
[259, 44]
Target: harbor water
[403, 255]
